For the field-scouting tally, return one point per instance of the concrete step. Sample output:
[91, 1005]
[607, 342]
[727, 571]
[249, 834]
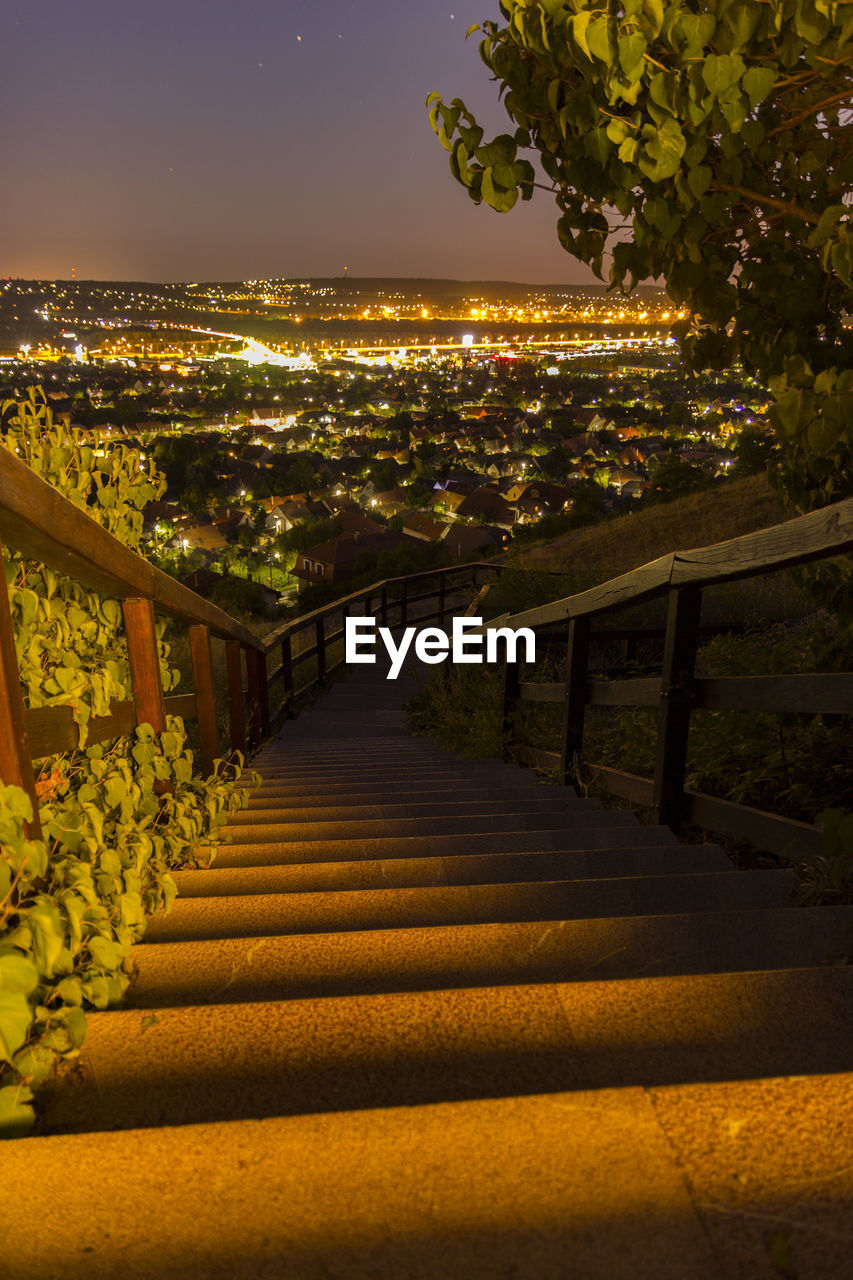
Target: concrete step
[603, 835]
[386, 788]
[687, 1183]
[415, 1048]
[264, 914]
[421, 800]
[425, 810]
[570, 812]
[395, 768]
[397, 773]
[414, 959]
[481, 868]
[343, 748]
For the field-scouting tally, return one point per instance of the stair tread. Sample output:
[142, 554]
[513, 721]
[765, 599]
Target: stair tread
[255, 852]
[333, 911]
[421, 958]
[580, 1184]
[582, 813]
[378, 798]
[481, 868]
[412, 1048]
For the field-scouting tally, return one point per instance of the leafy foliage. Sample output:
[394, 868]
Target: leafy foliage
[717, 136]
[72, 904]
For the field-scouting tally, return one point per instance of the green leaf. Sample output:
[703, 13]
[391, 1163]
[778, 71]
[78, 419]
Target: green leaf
[695, 32]
[721, 71]
[27, 603]
[598, 38]
[662, 151]
[699, 179]
[757, 83]
[16, 1017]
[18, 974]
[16, 1113]
[829, 220]
[632, 51]
[579, 24]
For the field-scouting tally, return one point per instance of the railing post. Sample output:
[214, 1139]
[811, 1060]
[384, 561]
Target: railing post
[384, 607]
[144, 662]
[253, 681]
[510, 701]
[441, 596]
[205, 698]
[577, 663]
[287, 667]
[16, 766]
[263, 690]
[679, 661]
[320, 626]
[236, 715]
[404, 604]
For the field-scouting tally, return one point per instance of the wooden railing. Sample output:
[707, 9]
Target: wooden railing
[677, 691]
[40, 523]
[316, 639]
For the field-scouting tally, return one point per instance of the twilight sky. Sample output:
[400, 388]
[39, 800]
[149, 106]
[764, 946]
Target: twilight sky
[205, 139]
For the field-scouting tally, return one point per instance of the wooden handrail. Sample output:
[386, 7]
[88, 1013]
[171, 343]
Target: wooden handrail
[305, 620]
[39, 522]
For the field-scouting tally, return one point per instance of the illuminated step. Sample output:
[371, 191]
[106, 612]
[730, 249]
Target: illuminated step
[610, 830]
[373, 791]
[281, 913]
[372, 961]
[414, 1048]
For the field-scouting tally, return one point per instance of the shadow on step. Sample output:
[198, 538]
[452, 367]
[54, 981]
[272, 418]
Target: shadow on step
[202, 1064]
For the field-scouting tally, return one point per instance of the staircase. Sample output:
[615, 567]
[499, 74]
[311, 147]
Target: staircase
[431, 1017]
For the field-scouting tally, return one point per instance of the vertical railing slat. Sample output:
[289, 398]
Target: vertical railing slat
[577, 663]
[205, 697]
[253, 682]
[263, 693]
[236, 714]
[679, 661]
[510, 703]
[287, 668]
[320, 628]
[144, 658]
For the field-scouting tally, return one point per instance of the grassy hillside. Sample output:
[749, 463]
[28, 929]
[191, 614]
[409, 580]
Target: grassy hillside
[625, 542]
[616, 546]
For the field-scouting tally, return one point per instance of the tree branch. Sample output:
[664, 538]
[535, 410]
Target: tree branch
[756, 197]
[832, 101]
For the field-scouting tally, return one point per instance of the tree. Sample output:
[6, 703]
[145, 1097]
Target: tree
[717, 136]
[672, 477]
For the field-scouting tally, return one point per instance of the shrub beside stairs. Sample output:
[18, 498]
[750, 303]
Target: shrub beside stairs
[430, 1017]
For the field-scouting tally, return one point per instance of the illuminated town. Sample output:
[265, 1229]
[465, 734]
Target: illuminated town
[315, 433]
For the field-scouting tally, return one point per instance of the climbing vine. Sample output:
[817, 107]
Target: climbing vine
[72, 904]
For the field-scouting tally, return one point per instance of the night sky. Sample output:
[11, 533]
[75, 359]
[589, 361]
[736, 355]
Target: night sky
[199, 140]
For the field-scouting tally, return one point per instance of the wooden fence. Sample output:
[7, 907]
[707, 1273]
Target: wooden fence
[677, 691]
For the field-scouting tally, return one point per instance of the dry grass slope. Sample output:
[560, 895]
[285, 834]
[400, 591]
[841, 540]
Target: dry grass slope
[606, 550]
[619, 545]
